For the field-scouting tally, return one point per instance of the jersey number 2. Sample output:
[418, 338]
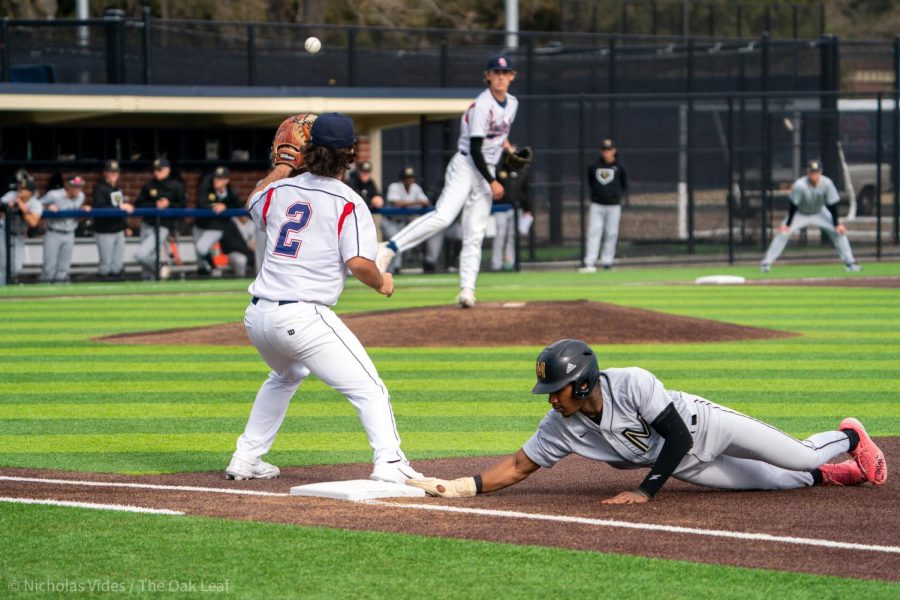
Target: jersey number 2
[298, 215]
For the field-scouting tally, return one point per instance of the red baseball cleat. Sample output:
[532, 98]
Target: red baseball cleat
[867, 455]
[845, 473]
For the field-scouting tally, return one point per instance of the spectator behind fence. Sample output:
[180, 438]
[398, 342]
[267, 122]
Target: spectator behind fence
[236, 248]
[406, 193]
[111, 232]
[214, 193]
[160, 192]
[360, 181]
[59, 237]
[608, 182]
[512, 173]
[22, 209]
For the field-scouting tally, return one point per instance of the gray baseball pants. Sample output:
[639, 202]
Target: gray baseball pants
[58, 246]
[111, 248]
[603, 224]
[823, 221]
[146, 255]
[503, 248]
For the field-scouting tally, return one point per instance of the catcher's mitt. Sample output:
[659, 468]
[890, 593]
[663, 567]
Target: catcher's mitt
[520, 158]
[292, 135]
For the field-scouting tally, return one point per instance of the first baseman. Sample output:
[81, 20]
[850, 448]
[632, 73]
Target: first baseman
[470, 184]
[317, 229]
[814, 201]
[628, 419]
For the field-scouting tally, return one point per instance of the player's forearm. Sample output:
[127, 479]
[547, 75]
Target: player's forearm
[366, 271]
[506, 472]
[478, 158]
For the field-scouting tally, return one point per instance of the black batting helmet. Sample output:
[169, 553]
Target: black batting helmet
[564, 362]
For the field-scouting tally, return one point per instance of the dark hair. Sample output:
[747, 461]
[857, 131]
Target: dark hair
[327, 162]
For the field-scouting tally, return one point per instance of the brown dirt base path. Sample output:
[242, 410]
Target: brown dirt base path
[493, 324]
[862, 514]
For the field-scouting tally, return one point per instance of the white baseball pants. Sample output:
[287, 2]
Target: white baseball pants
[466, 190]
[603, 224]
[751, 455]
[302, 338]
[823, 221]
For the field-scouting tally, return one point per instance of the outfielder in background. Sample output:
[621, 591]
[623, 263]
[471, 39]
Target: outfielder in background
[59, 237]
[469, 182]
[213, 193]
[814, 201]
[110, 233]
[317, 229]
[608, 182]
[160, 192]
[627, 418]
[512, 173]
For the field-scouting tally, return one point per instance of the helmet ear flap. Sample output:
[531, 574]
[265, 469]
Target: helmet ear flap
[583, 386]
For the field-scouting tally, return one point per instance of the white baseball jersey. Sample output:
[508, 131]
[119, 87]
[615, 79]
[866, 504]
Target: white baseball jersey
[489, 119]
[313, 226]
[397, 192]
[810, 200]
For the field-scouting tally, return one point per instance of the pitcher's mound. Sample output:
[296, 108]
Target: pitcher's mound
[494, 324]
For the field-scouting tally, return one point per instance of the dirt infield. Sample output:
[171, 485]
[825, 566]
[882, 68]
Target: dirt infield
[494, 324]
[861, 515]
[874, 282]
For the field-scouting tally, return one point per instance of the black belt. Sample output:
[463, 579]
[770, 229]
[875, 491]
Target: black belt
[280, 302]
[60, 230]
[463, 152]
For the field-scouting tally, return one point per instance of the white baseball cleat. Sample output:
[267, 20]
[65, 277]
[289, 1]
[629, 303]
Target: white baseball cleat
[764, 268]
[241, 469]
[165, 272]
[395, 472]
[466, 298]
[852, 268]
[384, 257]
[587, 270]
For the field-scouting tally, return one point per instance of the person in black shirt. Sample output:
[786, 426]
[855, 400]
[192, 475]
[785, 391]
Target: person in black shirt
[214, 193]
[360, 181]
[608, 181]
[161, 192]
[110, 233]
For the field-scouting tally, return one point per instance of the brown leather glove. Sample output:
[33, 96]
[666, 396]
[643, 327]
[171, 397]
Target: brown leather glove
[292, 135]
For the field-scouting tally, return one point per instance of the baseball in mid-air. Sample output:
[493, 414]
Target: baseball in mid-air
[312, 44]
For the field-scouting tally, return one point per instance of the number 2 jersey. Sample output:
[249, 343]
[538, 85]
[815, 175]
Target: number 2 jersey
[313, 226]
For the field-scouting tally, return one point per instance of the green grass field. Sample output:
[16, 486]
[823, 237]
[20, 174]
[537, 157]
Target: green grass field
[67, 402]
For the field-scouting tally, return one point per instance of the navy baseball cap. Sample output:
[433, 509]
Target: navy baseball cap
[500, 62]
[365, 166]
[333, 130]
[221, 173]
[813, 166]
[607, 144]
[112, 166]
[407, 172]
[161, 163]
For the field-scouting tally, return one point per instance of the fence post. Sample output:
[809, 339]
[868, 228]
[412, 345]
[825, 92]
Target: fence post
[445, 54]
[251, 55]
[879, 158]
[611, 112]
[690, 145]
[766, 168]
[351, 56]
[7, 243]
[624, 23]
[115, 45]
[145, 39]
[582, 169]
[895, 155]
[830, 84]
[156, 225]
[4, 46]
[821, 18]
[730, 195]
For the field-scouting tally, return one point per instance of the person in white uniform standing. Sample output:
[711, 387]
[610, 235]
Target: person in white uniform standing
[470, 183]
[814, 201]
[628, 419]
[317, 229]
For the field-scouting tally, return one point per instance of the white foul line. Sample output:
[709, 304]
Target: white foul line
[144, 486]
[118, 507]
[765, 537]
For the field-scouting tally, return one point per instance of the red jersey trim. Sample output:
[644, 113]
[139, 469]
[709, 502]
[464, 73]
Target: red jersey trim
[265, 209]
[348, 209]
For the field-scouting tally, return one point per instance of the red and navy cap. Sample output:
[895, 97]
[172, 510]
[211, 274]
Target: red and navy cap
[499, 63]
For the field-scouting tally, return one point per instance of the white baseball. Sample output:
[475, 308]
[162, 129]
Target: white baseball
[312, 45]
